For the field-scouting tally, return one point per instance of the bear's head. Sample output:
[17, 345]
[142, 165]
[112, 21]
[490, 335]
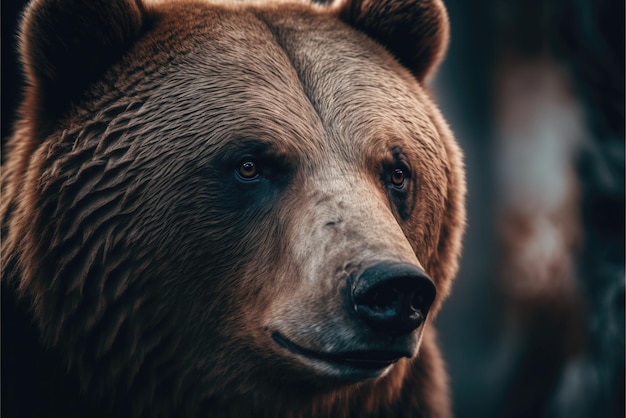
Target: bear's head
[216, 201]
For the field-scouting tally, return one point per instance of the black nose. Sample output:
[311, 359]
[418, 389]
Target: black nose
[393, 298]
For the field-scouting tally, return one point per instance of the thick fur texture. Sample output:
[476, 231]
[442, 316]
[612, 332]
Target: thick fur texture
[154, 273]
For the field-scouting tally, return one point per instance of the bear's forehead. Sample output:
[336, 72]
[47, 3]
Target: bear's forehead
[296, 74]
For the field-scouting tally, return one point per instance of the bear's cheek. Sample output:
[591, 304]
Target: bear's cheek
[209, 243]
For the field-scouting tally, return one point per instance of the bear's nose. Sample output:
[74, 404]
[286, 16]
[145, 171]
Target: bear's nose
[393, 298]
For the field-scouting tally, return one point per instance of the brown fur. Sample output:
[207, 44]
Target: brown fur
[156, 276]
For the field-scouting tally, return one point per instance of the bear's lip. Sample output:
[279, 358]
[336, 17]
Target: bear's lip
[362, 359]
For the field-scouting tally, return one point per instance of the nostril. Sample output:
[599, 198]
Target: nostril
[422, 300]
[393, 297]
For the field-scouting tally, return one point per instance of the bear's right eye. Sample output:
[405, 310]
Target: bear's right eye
[248, 169]
[397, 177]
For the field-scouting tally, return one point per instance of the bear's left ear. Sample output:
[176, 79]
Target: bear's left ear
[415, 31]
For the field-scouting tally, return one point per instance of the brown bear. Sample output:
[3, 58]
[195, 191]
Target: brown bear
[228, 210]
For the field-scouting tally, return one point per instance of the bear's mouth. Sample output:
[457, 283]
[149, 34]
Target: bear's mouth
[364, 360]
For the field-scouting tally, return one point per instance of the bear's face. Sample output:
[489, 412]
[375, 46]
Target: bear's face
[257, 202]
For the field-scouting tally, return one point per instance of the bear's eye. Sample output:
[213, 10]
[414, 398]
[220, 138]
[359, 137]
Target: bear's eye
[248, 169]
[398, 176]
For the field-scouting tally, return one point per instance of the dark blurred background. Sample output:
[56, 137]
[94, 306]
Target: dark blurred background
[534, 91]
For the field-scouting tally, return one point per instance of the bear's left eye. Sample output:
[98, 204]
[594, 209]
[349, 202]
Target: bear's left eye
[248, 169]
[398, 177]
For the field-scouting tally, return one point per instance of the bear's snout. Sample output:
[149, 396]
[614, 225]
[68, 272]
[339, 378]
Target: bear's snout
[392, 298]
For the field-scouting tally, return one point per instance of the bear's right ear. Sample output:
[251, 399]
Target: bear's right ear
[415, 31]
[65, 44]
